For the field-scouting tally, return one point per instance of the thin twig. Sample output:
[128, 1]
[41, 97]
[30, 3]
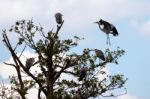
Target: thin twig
[22, 51]
[10, 64]
[16, 46]
[69, 72]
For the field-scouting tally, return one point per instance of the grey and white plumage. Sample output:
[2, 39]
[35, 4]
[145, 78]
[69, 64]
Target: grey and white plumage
[107, 28]
[83, 72]
[58, 17]
[29, 63]
[100, 54]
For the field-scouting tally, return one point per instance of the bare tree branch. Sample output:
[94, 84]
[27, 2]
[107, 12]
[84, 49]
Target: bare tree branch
[69, 72]
[58, 28]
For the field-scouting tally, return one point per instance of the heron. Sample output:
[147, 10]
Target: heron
[83, 72]
[29, 63]
[100, 54]
[58, 17]
[107, 28]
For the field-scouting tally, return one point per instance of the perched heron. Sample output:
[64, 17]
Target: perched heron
[107, 28]
[58, 17]
[100, 54]
[29, 63]
[83, 72]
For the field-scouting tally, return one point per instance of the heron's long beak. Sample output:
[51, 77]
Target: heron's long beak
[96, 22]
[92, 50]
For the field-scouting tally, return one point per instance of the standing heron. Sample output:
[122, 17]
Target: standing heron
[100, 54]
[58, 17]
[107, 28]
[83, 72]
[29, 63]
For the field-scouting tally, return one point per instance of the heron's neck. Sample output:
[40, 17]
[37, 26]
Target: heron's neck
[101, 27]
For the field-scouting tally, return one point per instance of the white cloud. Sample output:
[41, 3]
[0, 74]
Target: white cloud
[107, 72]
[20, 8]
[127, 96]
[134, 23]
[32, 93]
[78, 15]
[145, 28]
[6, 70]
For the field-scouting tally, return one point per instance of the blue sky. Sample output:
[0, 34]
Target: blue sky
[131, 18]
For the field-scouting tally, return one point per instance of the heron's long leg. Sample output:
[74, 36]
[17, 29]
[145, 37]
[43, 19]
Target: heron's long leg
[108, 40]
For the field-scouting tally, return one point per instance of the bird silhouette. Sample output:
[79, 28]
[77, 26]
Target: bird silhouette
[29, 63]
[58, 17]
[83, 72]
[100, 54]
[107, 28]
